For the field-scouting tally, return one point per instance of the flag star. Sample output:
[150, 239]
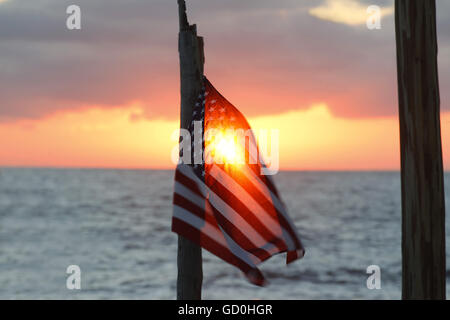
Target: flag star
[213, 101]
[222, 109]
[206, 93]
[232, 118]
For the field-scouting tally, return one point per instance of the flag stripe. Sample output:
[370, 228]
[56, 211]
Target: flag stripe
[188, 231]
[227, 212]
[230, 209]
[193, 204]
[270, 196]
[256, 202]
[191, 185]
[249, 239]
[242, 237]
[212, 230]
[270, 201]
[246, 206]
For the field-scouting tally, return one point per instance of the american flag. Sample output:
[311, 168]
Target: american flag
[226, 206]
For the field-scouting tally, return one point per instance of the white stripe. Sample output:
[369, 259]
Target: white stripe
[209, 230]
[270, 196]
[233, 217]
[228, 213]
[261, 214]
[189, 172]
[237, 250]
[188, 194]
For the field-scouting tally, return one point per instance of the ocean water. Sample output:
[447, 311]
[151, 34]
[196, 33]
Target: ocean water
[115, 225]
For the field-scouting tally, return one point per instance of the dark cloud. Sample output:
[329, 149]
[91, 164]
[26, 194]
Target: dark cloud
[265, 56]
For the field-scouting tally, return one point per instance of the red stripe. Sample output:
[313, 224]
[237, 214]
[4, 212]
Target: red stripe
[239, 237]
[291, 256]
[186, 230]
[268, 206]
[249, 216]
[184, 203]
[188, 183]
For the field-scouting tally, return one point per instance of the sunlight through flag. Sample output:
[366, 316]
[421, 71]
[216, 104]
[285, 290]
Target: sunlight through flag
[224, 203]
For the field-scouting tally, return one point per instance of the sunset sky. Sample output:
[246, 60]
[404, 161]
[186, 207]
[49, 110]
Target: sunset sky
[108, 95]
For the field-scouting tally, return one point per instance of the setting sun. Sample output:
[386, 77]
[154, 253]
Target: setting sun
[224, 148]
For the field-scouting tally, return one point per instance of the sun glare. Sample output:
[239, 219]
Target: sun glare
[225, 149]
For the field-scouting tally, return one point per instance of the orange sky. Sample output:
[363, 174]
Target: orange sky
[108, 95]
[310, 139]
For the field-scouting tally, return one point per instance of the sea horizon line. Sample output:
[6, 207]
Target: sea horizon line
[118, 168]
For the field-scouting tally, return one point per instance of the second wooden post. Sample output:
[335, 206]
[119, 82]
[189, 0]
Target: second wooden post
[423, 209]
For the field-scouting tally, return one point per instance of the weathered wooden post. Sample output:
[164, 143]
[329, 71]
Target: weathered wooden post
[190, 47]
[423, 204]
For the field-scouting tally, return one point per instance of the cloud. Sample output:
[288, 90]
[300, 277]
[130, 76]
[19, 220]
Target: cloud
[265, 56]
[350, 12]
